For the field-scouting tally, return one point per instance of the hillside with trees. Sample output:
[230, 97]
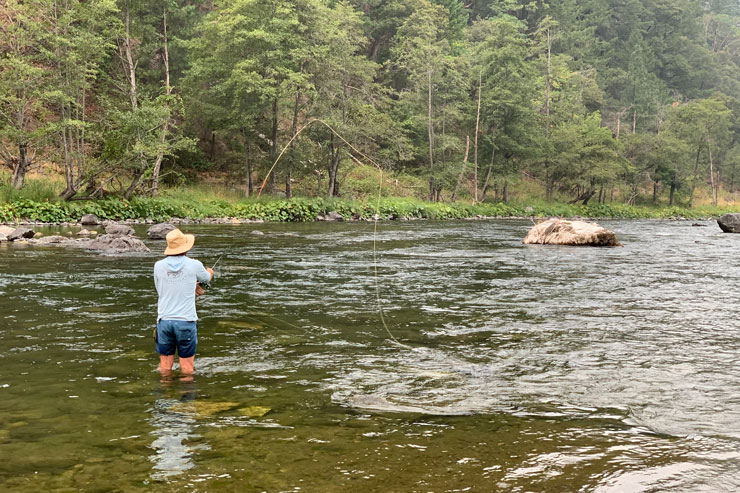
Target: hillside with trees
[591, 100]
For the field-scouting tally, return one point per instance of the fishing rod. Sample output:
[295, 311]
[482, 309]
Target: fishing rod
[207, 285]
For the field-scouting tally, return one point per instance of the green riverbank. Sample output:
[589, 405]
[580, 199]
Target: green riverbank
[310, 209]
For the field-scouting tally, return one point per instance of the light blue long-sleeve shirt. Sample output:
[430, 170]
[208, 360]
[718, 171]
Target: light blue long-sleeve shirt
[175, 278]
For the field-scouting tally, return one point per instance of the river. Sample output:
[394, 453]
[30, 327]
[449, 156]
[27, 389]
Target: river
[500, 366]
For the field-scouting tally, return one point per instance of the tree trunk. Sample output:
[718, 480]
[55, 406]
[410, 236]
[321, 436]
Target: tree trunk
[336, 156]
[289, 163]
[248, 166]
[634, 121]
[711, 176]
[130, 65]
[19, 172]
[655, 192]
[165, 124]
[488, 175]
[475, 140]
[693, 182]
[548, 82]
[274, 146]
[505, 192]
[134, 183]
[430, 132]
[673, 192]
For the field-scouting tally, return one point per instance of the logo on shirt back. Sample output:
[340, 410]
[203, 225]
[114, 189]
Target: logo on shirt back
[174, 275]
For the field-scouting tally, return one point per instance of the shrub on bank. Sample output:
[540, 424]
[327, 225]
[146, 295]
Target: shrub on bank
[308, 209]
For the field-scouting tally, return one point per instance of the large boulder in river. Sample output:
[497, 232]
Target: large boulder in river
[577, 233]
[20, 233]
[159, 231]
[89, 220]
[117, 244]
[119, 229]
[6, 230]
[729, 223]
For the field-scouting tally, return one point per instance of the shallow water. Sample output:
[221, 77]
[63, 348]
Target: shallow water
[516, 368]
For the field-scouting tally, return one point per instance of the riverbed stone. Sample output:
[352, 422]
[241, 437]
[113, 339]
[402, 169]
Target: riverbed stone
[20, 233]
[84, 232]
[89, 220]
[54, 240]
[576, 233]
[3, 237]
[6, 230]
[112, 243]
[159, 231]
[119, 230]
[333, 216]
[729, 223]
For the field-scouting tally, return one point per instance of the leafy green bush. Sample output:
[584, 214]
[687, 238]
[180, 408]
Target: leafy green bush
[307, 209]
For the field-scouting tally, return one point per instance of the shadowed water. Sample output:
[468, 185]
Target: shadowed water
[519, 368]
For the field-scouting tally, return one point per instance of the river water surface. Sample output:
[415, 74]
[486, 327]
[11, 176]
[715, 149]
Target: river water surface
[516, 368]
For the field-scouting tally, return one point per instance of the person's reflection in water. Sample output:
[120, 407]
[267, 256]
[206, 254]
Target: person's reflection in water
[173, 419]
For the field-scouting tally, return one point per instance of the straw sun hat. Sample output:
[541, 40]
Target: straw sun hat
[178, 243]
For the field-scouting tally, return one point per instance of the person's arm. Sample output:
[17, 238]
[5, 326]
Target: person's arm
[202, 275]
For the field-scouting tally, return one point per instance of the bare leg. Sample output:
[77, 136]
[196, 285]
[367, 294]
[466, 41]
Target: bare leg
[165, 363]
[187, 365]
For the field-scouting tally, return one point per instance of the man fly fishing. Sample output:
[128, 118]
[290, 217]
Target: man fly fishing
[178, 280]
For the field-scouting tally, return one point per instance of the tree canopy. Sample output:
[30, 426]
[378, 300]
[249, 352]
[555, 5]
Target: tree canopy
[584, 98]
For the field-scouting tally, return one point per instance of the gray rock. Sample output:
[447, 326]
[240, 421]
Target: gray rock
[54, 240]
[19, 233]
[119, 229]
[159, 231]
[333, 216]
[89, 220]
[112, 243]
[6, 230]
[84, 232]
[257, 233]
[729, 223]
[3, 238]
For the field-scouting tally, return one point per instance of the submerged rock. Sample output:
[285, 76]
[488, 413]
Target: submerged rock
[159, 231]
[203, 409]
[110, 243]
[254, 411]
[89, 220]
[729, 223]
[576, 233]
[54, 240]
[20, 233]
[119, 229]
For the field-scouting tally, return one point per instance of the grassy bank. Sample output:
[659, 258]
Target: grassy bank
[308, 209]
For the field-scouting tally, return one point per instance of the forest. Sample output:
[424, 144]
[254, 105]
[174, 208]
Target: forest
[635, 101]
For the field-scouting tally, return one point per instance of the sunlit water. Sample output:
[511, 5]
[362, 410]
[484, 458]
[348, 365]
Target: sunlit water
[517, 368]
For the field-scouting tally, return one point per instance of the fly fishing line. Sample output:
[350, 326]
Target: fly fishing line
[375, 217]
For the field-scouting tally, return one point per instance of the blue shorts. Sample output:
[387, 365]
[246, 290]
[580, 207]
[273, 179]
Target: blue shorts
[179, 334]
